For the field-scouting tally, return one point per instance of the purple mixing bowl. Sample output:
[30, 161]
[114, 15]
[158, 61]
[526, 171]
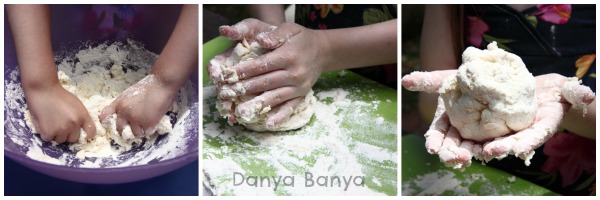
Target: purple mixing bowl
[72, 25]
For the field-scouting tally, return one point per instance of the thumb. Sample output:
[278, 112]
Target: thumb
[276, 38]
[576, 94]
[283, 113]
[89, 127]
[107, 111]
[428, 82]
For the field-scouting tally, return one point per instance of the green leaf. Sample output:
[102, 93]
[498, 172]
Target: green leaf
[532, 19]
[586, 183]
[373, 15]
[593, 75]
[499, 41]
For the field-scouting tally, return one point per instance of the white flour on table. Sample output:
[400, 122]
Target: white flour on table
[97, 75]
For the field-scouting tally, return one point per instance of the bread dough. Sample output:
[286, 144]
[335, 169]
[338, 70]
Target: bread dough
[97, 76]
[254, 116]
[491, 95]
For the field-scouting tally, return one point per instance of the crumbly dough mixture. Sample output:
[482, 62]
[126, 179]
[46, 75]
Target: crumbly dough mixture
[97, 76]
[492, 94]
[254, 116]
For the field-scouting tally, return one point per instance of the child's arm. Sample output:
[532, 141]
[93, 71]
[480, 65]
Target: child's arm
[273, 14]
[143, 109]
[59, 114]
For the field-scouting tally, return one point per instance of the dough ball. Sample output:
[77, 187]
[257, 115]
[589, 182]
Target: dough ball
[491, 95]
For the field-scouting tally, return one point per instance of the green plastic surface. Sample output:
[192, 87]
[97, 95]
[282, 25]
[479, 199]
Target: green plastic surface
[416, 162]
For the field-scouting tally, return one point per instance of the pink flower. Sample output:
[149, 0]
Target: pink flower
[322, 26]
[556, 14]
[313, 16]
[476, 28]
[570, 155]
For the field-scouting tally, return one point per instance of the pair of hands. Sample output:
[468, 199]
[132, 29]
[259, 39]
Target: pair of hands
[283, 76]
[555, 93]
[60, 115]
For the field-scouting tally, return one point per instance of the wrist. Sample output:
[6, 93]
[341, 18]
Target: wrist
[167, 81]
[325, 54]
[37, 85]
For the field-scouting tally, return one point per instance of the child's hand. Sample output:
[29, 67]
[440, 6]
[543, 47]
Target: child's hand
[141, 106]
[287, 73]
[59, 116]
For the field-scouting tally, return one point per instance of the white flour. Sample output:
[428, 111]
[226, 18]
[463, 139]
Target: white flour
[324, 147]
[446, 182]
[97, 76]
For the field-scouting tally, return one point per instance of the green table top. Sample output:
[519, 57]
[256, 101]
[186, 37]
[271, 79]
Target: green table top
[368, 139]
[424, 174]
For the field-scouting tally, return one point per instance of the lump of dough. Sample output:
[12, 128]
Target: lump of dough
[491, 95]
[254, 116]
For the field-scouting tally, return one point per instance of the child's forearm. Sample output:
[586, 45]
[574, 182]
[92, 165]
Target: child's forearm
[180, 55]
[30, 26]
[269, 13]
[361, 46]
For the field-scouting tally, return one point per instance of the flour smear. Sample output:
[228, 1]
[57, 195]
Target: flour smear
[97, 75]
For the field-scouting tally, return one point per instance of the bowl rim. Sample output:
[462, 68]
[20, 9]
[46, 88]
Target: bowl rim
[187, 157]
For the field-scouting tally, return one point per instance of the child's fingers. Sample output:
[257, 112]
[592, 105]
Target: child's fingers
[73, 137]
[256, 84]
[438, 129]
[60, 138]
[121, 123]
[246, 29]
[283, 112]
[137, 130]
[89, 127]
[576, 94]
[47, 137]
[106, 111]
[452, 153]
[270, 98]
[214, 67]
[277, 37]
[426, 81]
[263, 64]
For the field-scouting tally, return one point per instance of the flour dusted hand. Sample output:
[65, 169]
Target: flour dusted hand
[141, 107]
[501, 110]
[252, 109]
